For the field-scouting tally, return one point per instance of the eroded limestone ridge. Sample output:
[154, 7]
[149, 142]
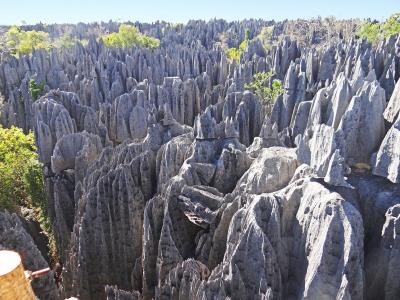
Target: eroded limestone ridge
[165, 179]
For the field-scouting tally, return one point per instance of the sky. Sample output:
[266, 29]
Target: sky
[73, 11]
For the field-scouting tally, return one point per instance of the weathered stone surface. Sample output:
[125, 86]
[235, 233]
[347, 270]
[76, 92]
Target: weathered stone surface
[113, 293]
[383, 277]
[270, 171]
[324, 243]
[52, 121]
[387, 160]
[200, 204]
[128, 118]
[165, 179]
[340, 100]
[362, 126]
[75, 149]
[250, 267]
[317, 150]
[393, 107]
[337, 170]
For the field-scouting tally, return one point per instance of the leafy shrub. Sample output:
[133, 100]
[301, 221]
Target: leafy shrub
[235, 53]
[176, 26]
[375, 31]
[148, 42]
[370, 31]
[129, 36]
[35, 89]
[266, 36]
[22, 42]
[265, 89]
[65, 41]
[391, 26]
[18, 163]
[21, 179]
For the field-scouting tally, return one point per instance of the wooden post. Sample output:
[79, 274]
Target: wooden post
[13, 282]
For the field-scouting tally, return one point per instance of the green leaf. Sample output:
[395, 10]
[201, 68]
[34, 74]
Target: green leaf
[129, 36]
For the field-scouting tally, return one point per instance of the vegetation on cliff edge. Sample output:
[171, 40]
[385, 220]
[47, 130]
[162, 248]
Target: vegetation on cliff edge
[129, 36]
[266, 88]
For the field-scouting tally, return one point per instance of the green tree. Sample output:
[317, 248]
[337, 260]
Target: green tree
[266, 36]
[375, 31]
[266, 89]
[112, 40]
[247, 34]
[13, 36]
[35, 89]
[129, 36]
[235, 53]
[391, 26]
[65, 41]
[21, 179]
[22, 42]
[370, 31]
[18, 163]
[176, 26]
[149, 42]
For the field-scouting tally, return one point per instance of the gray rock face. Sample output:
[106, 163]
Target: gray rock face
[383, 283]
[251, 265]
[52, 122]
[336, 171]
[387, 158]
[375, 196]
[340, 100]
[128, 117]
[116, 294]
[75, 149]
[270, 171]
[362, 125]
[165, 179]
[318, 149]
[390, 246]
[393, 107]
[121, 219]
[325, 268]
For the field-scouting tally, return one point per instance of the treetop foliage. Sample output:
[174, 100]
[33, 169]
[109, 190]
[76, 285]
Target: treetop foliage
[66, 41]
[35, 89]
[235, 53]
[129, 36]
[23, 42]
[266, 88]
[375, 31]
[21, 181]
[266, 36]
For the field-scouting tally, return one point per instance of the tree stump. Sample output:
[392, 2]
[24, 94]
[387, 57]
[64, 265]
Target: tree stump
[13, 282]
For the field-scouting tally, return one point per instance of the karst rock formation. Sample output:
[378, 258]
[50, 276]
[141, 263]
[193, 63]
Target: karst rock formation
[165, 179]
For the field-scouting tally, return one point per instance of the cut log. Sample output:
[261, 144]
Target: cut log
[13, 282]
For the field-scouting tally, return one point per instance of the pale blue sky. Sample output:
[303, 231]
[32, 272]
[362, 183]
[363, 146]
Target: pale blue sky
[73, 11]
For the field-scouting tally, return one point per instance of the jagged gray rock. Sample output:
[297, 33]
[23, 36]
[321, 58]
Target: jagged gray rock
[270, 171]
[362, 126]
[387, 158]
[74, 151]
[393, 107]
[165, 179]
[318, 268]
